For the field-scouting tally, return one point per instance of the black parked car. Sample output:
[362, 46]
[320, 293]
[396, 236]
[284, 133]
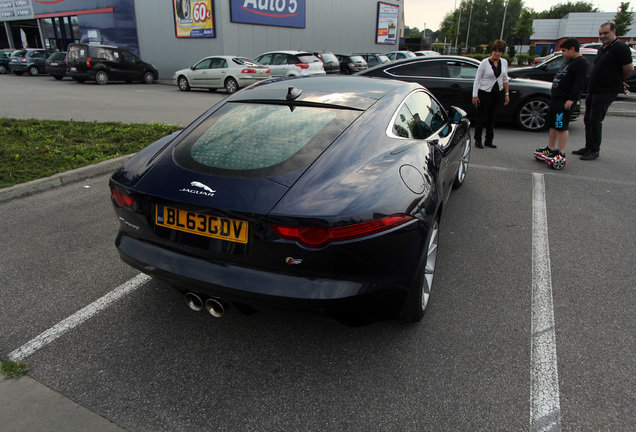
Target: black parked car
[105, 63]
[5, 55]
[321, 195]
[330, 62]
[32, 61]
[56, 65]
[351, 63]
[547, 69]
[450, 79]
[374, 59]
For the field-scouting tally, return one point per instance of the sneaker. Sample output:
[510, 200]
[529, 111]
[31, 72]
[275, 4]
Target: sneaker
[590, 156]
[581, 152]
[554, 153]
[543, 150]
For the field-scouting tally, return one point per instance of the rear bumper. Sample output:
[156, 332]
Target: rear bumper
[344, 300]
[18, 67]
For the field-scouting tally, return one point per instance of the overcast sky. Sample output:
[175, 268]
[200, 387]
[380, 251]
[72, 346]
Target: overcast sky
[430, 13]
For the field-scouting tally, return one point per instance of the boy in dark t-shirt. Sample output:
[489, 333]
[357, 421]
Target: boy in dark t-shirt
[567, 86]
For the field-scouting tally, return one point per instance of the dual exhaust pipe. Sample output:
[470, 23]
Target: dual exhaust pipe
[214, 306]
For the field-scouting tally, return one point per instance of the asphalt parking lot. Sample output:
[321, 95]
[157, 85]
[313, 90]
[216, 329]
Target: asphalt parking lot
[531, 321]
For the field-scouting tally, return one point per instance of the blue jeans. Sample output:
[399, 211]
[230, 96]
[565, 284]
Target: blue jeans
[596, 106]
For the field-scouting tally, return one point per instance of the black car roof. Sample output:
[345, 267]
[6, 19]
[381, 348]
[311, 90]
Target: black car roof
[345, 91]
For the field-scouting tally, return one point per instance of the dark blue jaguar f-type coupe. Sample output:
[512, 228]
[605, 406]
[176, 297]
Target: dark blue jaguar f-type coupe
[321, 195]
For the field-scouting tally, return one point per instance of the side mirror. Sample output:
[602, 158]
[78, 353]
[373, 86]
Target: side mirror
[456, 115]
[192, 67]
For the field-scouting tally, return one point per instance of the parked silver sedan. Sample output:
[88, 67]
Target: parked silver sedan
[221, 72]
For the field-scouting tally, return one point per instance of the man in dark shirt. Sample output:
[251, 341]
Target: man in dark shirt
[567, 86]
[612, 65]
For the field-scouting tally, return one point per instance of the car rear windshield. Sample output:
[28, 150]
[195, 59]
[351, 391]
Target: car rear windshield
[308, 58]
[326, 57]
[357, 58]
[261, 140]
[244, 61]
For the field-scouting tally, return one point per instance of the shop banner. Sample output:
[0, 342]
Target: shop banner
[280, 13]
[387, 24]
[194, 18]
[15, 10]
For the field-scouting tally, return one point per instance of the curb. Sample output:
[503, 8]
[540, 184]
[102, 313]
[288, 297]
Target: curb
[40, 185]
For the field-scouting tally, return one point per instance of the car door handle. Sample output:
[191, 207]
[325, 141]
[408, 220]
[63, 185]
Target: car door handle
[455, 86]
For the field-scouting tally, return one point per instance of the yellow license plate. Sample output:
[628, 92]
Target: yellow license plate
[217, 227]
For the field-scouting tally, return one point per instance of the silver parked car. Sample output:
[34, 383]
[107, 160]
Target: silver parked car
[291, 63]
[227, 72]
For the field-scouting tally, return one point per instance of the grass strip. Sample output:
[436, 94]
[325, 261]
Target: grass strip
[33, 149]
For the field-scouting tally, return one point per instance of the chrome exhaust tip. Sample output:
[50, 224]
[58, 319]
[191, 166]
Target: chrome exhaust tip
[215, 307]
[193, 301]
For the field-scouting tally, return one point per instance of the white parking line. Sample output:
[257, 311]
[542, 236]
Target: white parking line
[545, 408]
[77, 318]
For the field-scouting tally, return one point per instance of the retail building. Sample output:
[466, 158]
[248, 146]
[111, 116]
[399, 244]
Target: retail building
[581, 25]
[173, 34]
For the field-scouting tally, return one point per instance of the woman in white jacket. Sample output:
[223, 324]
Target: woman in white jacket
[490, 90]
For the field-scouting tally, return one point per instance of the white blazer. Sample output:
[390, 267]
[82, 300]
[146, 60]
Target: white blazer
[485, 79]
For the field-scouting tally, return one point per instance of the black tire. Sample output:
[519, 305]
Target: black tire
[231, 85]
[531, 115]
[420, 291]
[149, 78]
[3, 69]
[183, 9]
[34, 71]
[183, 84]
[101, 77]
[463, 166]
[58, 77]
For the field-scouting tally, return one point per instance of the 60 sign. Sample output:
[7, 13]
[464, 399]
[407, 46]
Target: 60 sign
[200, 12]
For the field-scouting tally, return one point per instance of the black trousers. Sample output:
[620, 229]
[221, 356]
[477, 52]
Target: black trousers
[596, 107]
[489, 103]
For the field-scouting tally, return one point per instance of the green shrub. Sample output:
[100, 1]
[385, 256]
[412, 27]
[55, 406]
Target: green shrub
[478, 57]
[532, 50]
[522, 59]
[531, 59]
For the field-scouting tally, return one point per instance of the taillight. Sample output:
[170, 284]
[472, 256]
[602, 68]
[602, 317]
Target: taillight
[268, 71]
[315, 237]
[88, 62]
[122, 200]
[303, 65]
[24, 58]
[248, 71]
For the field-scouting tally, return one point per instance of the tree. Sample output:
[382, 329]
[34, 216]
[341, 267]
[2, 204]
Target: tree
[623, 19]
[486, 21]
[560, 10]
[412, 32]
[524, 29]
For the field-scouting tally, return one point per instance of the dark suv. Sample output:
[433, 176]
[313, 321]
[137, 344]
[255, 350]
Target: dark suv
[4, 60]
[29, 60]
[351, 63]
[330, 62]
[104, 63]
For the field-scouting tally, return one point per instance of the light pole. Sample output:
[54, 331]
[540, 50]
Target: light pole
[470, 18]
[504, 21]
[458, 21]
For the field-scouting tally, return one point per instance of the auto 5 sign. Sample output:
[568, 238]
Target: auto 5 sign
[194, 18]
[281, 13]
